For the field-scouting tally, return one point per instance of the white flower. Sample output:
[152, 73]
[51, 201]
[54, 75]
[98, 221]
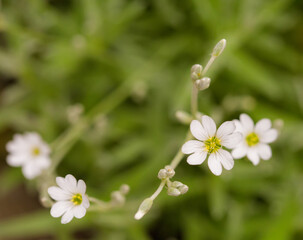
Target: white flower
[210, 143]
[29, 152]
[255, 139]
[70, 197]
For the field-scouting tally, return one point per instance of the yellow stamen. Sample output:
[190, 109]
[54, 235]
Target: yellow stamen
[212, 145]
[36, 151]
[252, 139]
[77, 199]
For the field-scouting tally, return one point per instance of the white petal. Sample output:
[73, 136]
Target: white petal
[85, 201]
[79, 211]
[81, 186]
[226, 159]
[30, 170]
[67, 217]
[239, 126]
[71, 179]
[58, 194]
[197, 158]
[253, 156]
[226, 128]
[59, 208]
[209, 125]
[246, 122]
[18, 144]
[43, 162]
[240, 151]
[232, 140]
[45, 149]
[262, 126]
[264, 151]
[269, 136]
[214, 164]
[198, 131]
[67, 186]
[192, 146]
[33, 138]
[16, 160]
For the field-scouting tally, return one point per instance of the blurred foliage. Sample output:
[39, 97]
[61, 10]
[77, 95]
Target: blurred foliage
[54, 54]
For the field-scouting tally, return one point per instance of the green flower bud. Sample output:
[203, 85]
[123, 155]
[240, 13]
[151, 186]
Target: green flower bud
[144, 208]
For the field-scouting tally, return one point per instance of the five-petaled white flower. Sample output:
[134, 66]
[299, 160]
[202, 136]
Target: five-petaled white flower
[210, 142]
[71, 198]
[29, 152]
[255, 139]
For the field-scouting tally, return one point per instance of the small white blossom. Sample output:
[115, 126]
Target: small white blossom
[255, 139]
[210, 142]
[71, 198]
[29, 152]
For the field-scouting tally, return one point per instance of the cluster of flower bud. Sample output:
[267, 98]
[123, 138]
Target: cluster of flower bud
[167, 172]
[177, 188]
[200, 82]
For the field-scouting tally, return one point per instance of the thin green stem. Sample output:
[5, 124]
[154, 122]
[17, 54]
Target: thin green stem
[159, 190]
[194, 101]
[179, 156]
[209, 63]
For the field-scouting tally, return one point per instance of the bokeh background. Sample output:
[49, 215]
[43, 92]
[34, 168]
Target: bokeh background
[55, 55]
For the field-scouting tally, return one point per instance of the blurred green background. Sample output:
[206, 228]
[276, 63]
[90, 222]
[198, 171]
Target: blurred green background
[55, 54]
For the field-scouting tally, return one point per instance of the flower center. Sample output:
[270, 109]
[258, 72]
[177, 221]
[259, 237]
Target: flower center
[77, 199]
[212, 145]
[36, 151]
[252, 139]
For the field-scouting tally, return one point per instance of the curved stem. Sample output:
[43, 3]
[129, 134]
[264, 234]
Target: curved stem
[159, 190]
[178, 157]
[99, 205]
[65, 142]
[209, 63]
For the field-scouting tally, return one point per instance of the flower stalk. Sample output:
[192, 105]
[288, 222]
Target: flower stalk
[199, 83]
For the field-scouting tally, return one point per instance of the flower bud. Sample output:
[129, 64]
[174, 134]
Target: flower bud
[124, 189]
[170, 172]
[218, 49]
[196, 71]
[203, 83]
[162, 174]
[173, 192]
[46, 202]
[278, 124]
[176, 184]
[117, 198]
[144, 208]
[183, 189]
[74, 112]
[184, 117]
[197, 68]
